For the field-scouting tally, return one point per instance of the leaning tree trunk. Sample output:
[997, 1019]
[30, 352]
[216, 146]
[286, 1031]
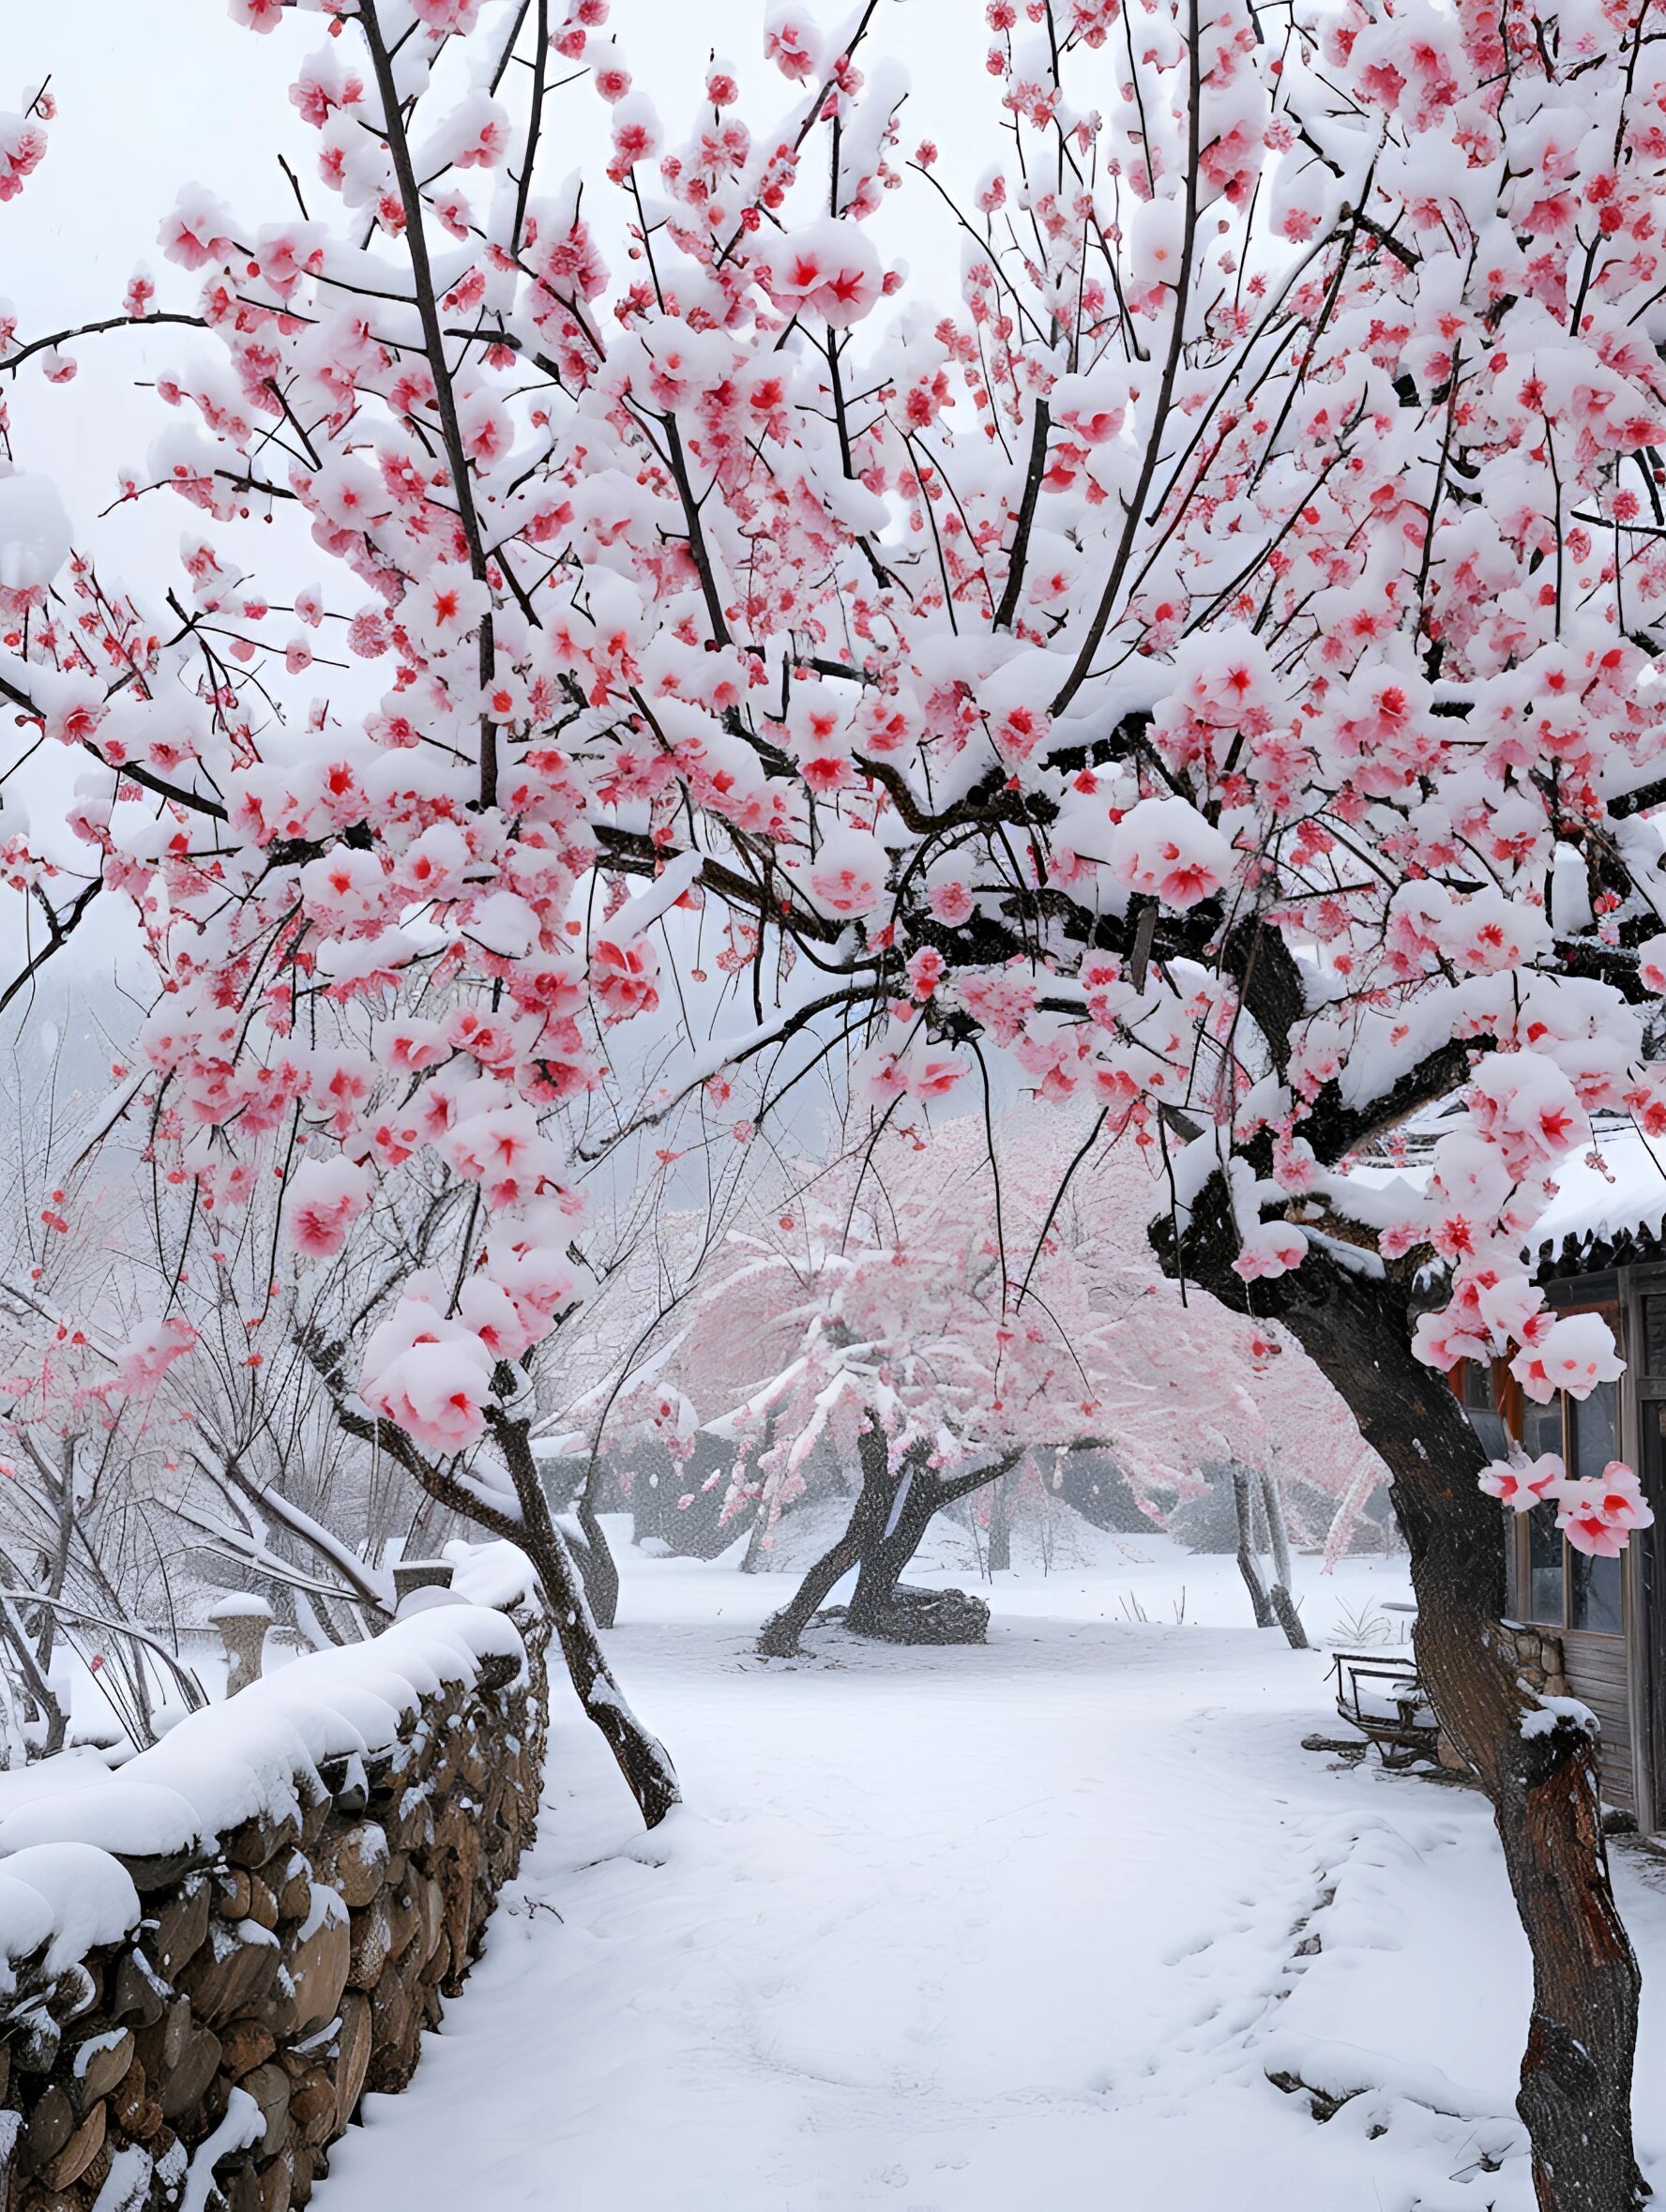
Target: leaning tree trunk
[886, 1561]
[778, 1636]
[1279, 1597]
[895, 1543]
[642, 1760]
[599, 1567]
[1249, 1565]
[1575, 2092]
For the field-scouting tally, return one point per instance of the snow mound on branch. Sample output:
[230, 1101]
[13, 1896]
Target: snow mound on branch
[829, 267]
[1163, 848]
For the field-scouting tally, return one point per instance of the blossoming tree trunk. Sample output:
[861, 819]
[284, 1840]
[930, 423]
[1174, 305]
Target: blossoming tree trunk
[1538, 1772]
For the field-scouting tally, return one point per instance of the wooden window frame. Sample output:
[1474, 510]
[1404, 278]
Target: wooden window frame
[1509, 1402]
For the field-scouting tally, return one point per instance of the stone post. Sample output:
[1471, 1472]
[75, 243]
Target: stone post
[242, 1623]
[419, 1574]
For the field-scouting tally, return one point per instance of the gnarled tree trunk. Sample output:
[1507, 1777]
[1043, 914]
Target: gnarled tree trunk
[1575, 2094]
[892, 1513]
[778, 1636]
[910, 1514]
[915, 1498]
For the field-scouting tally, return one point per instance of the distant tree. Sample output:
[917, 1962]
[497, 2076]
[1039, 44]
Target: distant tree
[938, 1312]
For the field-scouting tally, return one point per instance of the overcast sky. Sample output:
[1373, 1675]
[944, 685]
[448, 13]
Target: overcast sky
[155, 94]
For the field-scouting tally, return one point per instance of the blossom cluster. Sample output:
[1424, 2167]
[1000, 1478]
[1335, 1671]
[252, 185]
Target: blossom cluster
[1596, 1513]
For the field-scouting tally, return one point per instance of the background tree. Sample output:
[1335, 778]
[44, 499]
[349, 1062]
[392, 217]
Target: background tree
[936, 1315]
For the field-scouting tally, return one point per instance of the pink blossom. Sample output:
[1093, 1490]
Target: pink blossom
[501, 1149]
[22, 146]
[1163, 848]
[950, 899]
[1270, 1248]
[826, 268]
[1574, 1355]
[501, 1325]
[412, 1043]
[925, 971]
[1599, 1514]
[429, 1375]
[196, 233]
[623, 977]
[323, 1198]
[1521, 1484]
[849, 872]
[145, 1358]
[792, 43]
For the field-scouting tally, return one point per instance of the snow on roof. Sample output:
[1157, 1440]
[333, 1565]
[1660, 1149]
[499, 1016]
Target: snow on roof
[1608, 1215]
[1613, 1215]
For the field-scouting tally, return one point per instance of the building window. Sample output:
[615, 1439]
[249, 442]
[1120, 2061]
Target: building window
[1484, 1416]
[1557, 1587]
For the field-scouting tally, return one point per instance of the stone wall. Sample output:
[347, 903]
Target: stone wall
[272, 1971]
[1537, 1654]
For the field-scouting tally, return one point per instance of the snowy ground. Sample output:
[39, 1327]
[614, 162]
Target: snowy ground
[1022, 1925]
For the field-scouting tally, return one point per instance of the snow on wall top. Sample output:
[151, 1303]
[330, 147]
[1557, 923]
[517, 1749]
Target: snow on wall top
[499, 1575]
[256, 1755]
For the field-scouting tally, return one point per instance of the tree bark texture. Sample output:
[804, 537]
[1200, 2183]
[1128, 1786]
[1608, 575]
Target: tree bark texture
[600, 1569]
[1278, 1596]
[907, 1519]
[885, 1562]
[1575, 2096]
[1000, 1530]
[642, 1760]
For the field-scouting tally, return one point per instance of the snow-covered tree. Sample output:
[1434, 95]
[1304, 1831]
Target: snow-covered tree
[938, 1309]
[1211, 661]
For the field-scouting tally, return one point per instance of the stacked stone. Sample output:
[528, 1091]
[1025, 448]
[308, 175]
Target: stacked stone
[297, 1964]
[1538, 1654]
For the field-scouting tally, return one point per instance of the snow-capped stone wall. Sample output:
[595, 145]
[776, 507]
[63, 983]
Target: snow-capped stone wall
[210, 1955]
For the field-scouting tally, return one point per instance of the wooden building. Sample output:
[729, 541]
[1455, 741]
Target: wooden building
[1603, 1250]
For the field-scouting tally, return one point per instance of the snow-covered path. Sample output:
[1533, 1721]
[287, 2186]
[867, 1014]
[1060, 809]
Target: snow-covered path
[1023, 1925]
